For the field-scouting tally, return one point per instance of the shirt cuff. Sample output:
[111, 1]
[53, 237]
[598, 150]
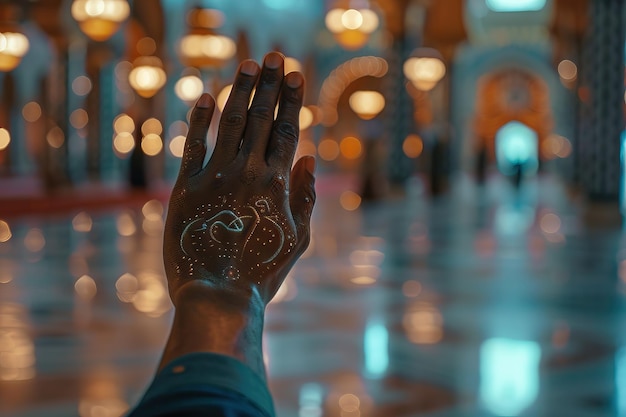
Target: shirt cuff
[211, 369]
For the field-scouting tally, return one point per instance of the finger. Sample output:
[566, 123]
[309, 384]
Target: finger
[302, 199]
[261, 113]
[195, 144]
[233, 120]
[284, 138]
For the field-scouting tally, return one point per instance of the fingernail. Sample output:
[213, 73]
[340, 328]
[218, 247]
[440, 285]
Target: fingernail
[273, 60]
[310, 165]
[294, 79]
[204, 102]
[249, 67]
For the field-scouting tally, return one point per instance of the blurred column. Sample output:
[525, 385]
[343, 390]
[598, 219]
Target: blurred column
[444, 30]
[602, 95]
[398, 122]
[568, 28]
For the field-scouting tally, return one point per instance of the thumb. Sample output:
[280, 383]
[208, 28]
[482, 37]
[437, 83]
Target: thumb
[302, 199]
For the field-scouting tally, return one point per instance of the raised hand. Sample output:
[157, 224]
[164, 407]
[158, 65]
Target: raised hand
[239, 223]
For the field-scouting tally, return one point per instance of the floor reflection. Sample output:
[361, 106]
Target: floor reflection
[485, 302]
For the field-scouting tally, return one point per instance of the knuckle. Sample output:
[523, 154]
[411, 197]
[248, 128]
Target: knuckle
[286, 130]
[233, 119]
[262, 112]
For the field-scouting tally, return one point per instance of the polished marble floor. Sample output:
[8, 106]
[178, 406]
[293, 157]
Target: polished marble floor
[485, 302]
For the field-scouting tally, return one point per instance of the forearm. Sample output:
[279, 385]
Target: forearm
[216, 321]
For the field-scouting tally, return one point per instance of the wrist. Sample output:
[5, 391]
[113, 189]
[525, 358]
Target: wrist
[216, 320]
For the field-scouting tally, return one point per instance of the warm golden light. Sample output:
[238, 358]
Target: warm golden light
[351, 147]
[123, 124]
[81, 86]
[206, 50]
[5, 232]
[85, 287]
[31, 111]
[556, 146]
[567, 70]
[351, 27]
[125, 224]
[82, 222]
[413, 146]
[79, 118]
[5, 138]
[147, 77]
[153, 210]
[423, 323]
[17, 350]
[222, 97]
[55, 137]
[127, 286]
[124, 142]
[411, 288]
[350, 200]
[306, 118]
[550, 223]
[189, 88]
[352, 19]
[177, 146]
[292, 64]
[367, 104]
[34, 240]
[100, 19]
[328, 149]
[306, 147]
[13, 46]
[426, 70]
[152, 125]
[151, 298]
[152, 144]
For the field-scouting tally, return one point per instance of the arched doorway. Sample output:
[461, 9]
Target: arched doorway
[511, 99]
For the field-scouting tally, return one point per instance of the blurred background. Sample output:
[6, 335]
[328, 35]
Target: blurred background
[467, 256]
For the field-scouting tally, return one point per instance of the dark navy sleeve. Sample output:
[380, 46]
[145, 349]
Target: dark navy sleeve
[206, 384]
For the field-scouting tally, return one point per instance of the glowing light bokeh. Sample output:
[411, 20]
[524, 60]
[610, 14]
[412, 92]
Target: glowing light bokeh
[189, 88]
[516, 5]
[147, 77]
[100, 19]
[367, 104]
[55, 137]
[351, 147]
[152, 125]
[567, 70]
[350, 200]
[376, 348]
[413, 146]
[81, 86]
[177, 146]
[328, 149]
[13, 46]
[31, 111]
[517, 144]
[5, 138]
[509, 371]
[5, 232]
[123, 124]
[123, 142]
[152, 144]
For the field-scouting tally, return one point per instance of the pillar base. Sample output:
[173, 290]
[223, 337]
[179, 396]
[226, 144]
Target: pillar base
[598, 214]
